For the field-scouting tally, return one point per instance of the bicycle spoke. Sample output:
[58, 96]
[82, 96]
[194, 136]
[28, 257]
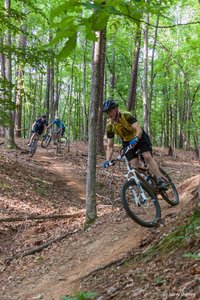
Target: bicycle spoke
[63, 142]
[171, 194]
[142, 207]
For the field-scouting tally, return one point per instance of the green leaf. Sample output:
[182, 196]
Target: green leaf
[99, 21]
[193, 256]
[66, 7]
[68, 48]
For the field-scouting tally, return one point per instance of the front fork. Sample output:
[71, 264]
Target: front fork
[132, 175]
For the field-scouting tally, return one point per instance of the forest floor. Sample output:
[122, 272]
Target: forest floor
[107, 259]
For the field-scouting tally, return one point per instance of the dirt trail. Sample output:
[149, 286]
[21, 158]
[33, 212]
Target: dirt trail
[57, 270]
[60, 272]
[64, 170]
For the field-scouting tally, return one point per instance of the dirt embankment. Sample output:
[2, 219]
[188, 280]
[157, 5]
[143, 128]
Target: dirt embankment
[49, 184]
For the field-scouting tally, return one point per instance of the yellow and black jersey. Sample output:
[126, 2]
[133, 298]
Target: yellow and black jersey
[123, 128]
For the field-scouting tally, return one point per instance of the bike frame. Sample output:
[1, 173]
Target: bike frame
[134, 172]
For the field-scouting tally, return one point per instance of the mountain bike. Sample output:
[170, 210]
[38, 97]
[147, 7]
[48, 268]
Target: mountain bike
[139, 193]
[60, 141]
[33, 145]
[170, 195]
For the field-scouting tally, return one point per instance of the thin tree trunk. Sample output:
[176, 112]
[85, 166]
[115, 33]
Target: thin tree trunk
[131, 105]
[52, 89]
[20, 83]
[152, 75]
[57, 89]
[144, 80]
[3, 76]
[9, 132]
[83, 98]
[91, 213]
[70, 104]
[100, 131]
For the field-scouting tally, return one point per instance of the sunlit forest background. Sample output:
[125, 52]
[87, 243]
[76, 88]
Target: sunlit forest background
[152, 59]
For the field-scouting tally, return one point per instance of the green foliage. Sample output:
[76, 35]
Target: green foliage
[80, 296]
[5, 103]
[193, 256]
[68, 48]
[66, 29]
[182, 237]
[159, 280]
[70, 16]
[41, 191]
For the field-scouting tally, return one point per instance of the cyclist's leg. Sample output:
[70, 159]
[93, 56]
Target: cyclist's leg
[58, 137]
[145, 147]
[63, 131]
[152, 163]
[32, 137]
[146, 151]
[39, 133]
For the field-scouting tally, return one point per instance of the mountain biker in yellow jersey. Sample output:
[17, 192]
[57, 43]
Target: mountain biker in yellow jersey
[126, 126]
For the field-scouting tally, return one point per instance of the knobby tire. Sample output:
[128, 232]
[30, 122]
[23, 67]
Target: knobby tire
[149, 213]
[32, 148]
[171, 195]
[63, 142]
[46, 141]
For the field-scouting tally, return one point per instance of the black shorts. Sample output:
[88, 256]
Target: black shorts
[38, 129]
[144, 145]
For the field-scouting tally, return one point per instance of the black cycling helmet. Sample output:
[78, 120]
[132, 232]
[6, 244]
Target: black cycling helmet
[44, 116]
[109, 104]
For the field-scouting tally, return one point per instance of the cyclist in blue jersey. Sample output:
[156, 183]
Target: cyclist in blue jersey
[60, 126]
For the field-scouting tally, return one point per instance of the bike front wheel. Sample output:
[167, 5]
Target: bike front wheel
[46, 141]
[170, 195]
[32, 147]
[63, 142]
[140, 203]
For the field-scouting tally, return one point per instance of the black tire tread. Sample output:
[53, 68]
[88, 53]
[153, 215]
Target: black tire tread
[131, 213]
[164, 195]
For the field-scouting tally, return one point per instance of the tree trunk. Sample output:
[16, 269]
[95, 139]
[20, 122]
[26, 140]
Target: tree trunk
[131, 105]
[52, 113]
[152, 75]
[57, 89]
[91, 213]
[100, 129]
[9, 132]
[83, 97]
[20, 86]
[3, 76]
[144, 80]
[111, 67]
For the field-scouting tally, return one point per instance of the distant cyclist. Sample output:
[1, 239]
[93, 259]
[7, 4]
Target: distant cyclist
[39, 126]
[59, 125]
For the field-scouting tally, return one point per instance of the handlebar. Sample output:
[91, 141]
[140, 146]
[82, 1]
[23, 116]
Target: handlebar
[121, 156]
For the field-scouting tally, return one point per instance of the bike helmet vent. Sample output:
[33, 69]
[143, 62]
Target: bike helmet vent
[109, 104]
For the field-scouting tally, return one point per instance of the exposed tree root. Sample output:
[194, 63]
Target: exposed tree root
[43, 217]
[40, 248]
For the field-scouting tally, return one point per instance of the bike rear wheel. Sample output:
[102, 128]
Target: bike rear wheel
[46, 141]
[63, 142]
[32, 147]
[145, 212]
[170, 195]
